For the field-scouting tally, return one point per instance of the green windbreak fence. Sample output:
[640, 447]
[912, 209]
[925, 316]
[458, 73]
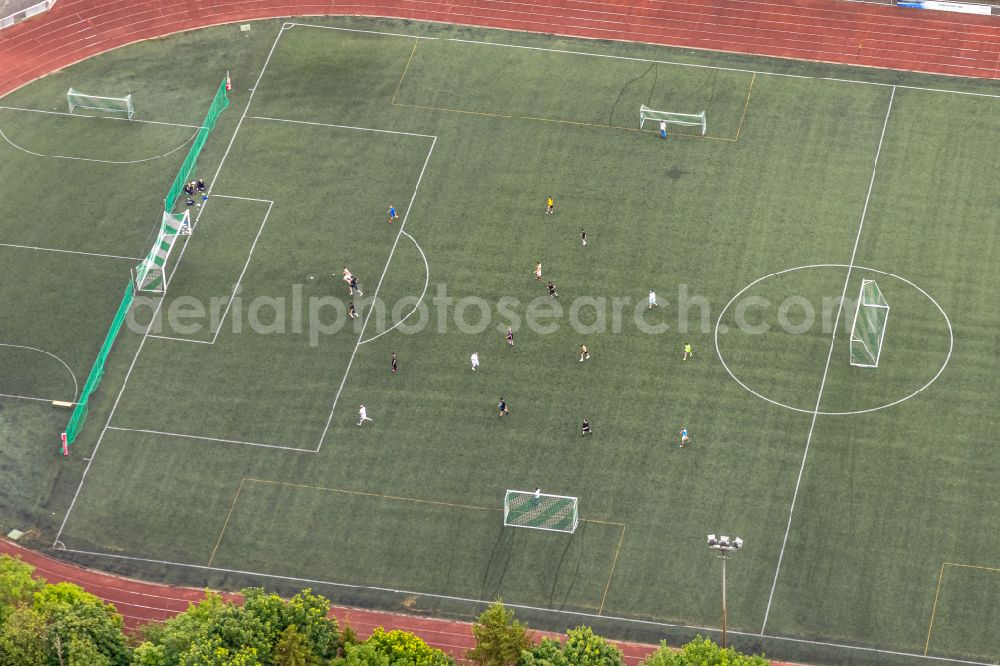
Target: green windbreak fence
[96, 372]
[219, 104]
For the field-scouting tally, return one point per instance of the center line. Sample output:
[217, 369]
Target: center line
[829, 357]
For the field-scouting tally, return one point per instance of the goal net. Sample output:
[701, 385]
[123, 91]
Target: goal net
[556, 513]
[868, 328]
[151, 275]
[79, 100]
[672, 118]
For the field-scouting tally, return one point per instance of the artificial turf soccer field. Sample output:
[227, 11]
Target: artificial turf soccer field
[224, 457]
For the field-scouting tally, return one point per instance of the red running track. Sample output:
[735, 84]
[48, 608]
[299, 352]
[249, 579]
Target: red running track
[841, 32]
[140, 603]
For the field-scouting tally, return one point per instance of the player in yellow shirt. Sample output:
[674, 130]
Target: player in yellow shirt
[550, 206]
[687, 351]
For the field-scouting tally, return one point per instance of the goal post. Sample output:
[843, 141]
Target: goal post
[868, 329]
[672, 118]
[540, 511]
[79, 100]
[151, 275]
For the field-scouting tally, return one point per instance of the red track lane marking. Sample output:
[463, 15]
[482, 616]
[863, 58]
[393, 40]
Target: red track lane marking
[806, 29]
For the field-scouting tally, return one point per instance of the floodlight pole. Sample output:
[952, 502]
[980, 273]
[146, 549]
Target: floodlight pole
[724, 546]
[722, 554]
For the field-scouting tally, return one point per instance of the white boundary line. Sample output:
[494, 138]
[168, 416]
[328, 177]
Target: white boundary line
[145, 336]
[364, 324]
[239, 280]
[683, 64]
[211, 439]
[83, 115]
[733, 69]
[52, 249]
[594, 616]
[92, 159]
[290, 24]
[427, 281]
[76, 385]
[350, 127]
[829, 357]
[28, 397]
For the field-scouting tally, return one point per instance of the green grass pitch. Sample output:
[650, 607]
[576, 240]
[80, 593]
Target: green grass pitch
[223, 447]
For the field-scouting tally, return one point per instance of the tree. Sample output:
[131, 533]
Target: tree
[308, 612]
[582, 648]
[16, 584]
[500, 638]
[292, 649]
[585, 648]
[22, 638]
[702, 652]
[165, 643]
[249, 633]
[548, 652]
[394, 648]
[81, 629]
[148, 654]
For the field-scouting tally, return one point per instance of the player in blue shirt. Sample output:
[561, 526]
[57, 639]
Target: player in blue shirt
[684, 437]
[392, 213]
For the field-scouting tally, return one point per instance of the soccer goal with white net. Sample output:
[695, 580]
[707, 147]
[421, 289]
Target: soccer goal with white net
[79, 100]
[151, 275]
[539, 511]
[868, 329]
[672, 118]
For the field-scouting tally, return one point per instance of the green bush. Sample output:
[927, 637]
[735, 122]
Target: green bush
[702, 652]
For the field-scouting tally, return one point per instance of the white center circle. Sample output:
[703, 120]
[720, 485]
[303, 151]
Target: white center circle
[719, 325]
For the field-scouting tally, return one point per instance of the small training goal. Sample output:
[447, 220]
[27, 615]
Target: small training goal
[672, 118]
[868, 329]
[540, 511]
[152, 276]
[79, 100]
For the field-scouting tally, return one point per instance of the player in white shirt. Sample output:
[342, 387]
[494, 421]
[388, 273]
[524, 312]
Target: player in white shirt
[475, 360]
[652, 299]
[363, 415]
